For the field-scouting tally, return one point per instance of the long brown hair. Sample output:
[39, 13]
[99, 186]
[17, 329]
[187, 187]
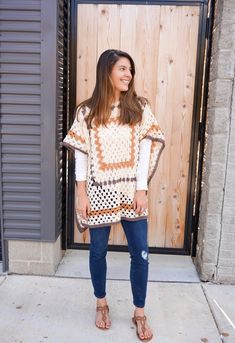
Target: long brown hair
[131, 106]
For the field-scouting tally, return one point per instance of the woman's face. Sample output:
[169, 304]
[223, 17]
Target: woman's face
[121, 76]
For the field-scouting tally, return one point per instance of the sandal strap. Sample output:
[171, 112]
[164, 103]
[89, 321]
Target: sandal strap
[142, 320]
[103, 309]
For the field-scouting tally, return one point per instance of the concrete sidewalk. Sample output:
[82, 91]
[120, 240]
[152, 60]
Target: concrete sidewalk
[35, 309]
[61, 308]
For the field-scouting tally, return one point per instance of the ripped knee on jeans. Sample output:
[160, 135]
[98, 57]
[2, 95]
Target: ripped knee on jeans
[144, 255]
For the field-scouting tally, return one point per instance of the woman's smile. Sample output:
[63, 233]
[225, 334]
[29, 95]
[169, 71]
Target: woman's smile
[126, 82]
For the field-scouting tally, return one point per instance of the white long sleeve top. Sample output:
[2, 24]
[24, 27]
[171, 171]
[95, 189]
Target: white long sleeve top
[142, 168]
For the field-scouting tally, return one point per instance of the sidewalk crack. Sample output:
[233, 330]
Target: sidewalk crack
[2, 281]
[213, 316]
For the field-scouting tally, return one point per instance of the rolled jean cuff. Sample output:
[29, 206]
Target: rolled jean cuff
[100, 296]
[140, 305]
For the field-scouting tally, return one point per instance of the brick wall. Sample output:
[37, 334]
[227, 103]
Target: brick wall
[215, 258]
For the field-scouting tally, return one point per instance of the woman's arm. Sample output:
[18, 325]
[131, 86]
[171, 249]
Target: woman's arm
[83, 205]
[140, 201]
[80, 166]
[143, 164]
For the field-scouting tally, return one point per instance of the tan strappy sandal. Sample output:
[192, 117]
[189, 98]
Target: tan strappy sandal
[104, 310]
[142, 320]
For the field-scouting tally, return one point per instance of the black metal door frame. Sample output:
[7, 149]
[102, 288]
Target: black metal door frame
[198, 127]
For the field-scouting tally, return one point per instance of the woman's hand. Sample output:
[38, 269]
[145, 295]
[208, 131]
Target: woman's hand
[140, 201]
[83, 203]
[83, 206]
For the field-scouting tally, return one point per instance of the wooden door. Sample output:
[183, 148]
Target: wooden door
[163, 43]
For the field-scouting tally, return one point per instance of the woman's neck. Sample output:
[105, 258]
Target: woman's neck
[116, 96]
[116, 102]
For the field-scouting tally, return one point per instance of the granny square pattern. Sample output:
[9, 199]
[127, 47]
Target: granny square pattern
[113, 152]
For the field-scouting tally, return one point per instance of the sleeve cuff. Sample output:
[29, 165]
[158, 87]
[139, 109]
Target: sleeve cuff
[141, 185]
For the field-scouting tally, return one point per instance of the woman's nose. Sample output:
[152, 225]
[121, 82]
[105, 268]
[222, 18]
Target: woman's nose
[128, 73]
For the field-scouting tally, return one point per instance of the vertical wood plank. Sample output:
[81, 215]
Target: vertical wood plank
[128, 30]
[87, 35]
[108, 27]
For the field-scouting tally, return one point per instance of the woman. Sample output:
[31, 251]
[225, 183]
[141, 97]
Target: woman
[117, 143]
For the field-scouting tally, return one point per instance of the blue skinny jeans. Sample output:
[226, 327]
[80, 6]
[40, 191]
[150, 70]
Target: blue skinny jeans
[136, 234]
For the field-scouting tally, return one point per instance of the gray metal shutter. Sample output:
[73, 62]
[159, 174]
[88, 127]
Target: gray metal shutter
[34, 44]
[20, 117]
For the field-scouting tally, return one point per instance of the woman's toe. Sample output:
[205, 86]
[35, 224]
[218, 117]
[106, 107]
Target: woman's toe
[107, 325]
[100, 324]
[149, 334]
[141, 334]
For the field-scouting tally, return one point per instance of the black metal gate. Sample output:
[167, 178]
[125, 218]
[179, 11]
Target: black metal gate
[199, 119]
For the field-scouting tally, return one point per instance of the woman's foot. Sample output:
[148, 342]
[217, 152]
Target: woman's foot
[102, 314]
[142, 328]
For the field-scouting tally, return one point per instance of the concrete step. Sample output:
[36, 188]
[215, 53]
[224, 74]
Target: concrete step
[165, 268]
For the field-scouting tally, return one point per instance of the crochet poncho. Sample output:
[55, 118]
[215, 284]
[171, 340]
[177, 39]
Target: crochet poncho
[112, 164]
